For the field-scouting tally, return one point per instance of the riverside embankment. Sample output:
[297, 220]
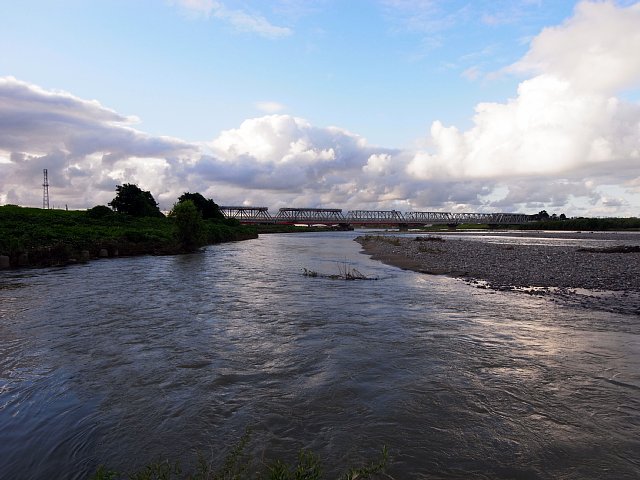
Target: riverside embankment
[562, 265]
[33, 237]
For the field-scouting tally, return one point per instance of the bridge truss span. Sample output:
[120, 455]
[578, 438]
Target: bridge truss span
[248, 214]
[458, 218]
[311, 216]
[375, 217]
[334, 216]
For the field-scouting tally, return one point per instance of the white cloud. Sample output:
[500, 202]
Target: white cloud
[549, 128]
[565, 123]
[596, 50]
[270, 107]
[241, 20]
[80, 142]
[282, 152]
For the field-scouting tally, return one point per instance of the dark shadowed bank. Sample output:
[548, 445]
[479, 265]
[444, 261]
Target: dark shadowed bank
[40, 238]
[603, 278]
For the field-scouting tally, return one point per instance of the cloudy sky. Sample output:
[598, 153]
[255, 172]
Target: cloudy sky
[448, 105]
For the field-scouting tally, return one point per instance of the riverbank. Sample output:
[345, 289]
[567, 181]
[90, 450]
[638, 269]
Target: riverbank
[33, 237]
[595, 277]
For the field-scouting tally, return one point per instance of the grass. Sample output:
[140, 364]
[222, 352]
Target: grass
[345, 272]
[614, 249]
[239, 466]
[37, 237]
[589, 224]
[395, 241]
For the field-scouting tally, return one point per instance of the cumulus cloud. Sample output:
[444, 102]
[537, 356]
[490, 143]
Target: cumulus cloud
[85, 146]
[565, 123]
[596, 50]
[288, 155]
[281, 160]
[239, 19]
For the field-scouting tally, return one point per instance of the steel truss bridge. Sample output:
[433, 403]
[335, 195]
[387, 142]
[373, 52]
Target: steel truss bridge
[334, 216]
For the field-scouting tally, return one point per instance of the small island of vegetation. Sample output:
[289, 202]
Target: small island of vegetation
[134, 225]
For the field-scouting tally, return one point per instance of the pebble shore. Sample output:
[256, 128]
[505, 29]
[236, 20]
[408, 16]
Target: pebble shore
[590, 276]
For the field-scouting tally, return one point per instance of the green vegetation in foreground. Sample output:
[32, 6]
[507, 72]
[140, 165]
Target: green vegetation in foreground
[590, 224]
[238, 466]
[58, 237]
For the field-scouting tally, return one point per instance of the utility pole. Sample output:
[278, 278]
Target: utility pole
[45, 190]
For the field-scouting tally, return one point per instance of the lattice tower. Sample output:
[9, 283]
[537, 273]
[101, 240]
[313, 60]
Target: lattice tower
[45, 190]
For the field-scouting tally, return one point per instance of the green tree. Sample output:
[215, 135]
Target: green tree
[543, 215]
[130, 199]
[207, 207]
[189, 225]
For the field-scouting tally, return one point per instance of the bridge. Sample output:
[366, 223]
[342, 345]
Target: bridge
[334, 216]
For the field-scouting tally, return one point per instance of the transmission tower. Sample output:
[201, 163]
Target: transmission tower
[45, 190]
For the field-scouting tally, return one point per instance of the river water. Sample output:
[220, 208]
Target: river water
[131, 360]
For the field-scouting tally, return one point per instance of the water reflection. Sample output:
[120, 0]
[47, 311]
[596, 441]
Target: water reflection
[130, 360]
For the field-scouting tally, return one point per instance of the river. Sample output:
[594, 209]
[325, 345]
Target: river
[131, 360]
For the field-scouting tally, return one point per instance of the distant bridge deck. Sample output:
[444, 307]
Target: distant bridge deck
[334, 216]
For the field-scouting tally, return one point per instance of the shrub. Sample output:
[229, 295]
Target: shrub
[99, 211]
[189, 225]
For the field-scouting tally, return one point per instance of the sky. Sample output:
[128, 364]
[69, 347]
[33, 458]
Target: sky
[411, 105]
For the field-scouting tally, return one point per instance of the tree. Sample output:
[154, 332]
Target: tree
[132, 200]
[189, 225]
[543, 215]
[207, 207]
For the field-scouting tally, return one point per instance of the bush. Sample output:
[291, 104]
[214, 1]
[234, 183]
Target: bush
[99, 211]
[189, 225]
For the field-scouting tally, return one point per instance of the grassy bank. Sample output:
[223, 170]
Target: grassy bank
[37, 237]
[590, 224]
[569, 224]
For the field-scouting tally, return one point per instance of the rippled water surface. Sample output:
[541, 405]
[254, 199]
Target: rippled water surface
[130, 360]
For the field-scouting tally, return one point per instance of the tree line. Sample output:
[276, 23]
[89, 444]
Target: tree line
[132, 200]
[188, 214]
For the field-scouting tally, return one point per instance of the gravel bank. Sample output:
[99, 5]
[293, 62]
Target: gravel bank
[612, 278]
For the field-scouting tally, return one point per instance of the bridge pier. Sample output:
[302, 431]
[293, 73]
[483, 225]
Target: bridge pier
[403, 227]
[452, 226]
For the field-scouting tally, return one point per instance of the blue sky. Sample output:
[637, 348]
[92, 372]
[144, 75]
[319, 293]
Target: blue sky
[401, 81]
[361, 65]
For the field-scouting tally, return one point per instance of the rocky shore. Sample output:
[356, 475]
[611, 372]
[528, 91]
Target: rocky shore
[602, 275]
